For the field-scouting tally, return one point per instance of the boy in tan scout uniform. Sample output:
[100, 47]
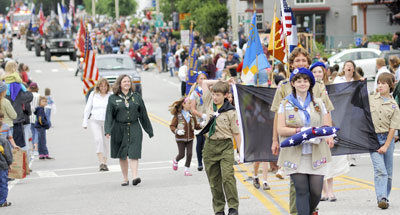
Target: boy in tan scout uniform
[218, 153]
[298, 58]
[386, 118]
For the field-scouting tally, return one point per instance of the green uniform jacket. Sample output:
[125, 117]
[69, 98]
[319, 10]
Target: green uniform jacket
[122, 123]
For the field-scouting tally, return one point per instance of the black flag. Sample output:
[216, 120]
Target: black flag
[352, 115]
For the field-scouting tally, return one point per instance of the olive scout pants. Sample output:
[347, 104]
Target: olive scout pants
[218, 162]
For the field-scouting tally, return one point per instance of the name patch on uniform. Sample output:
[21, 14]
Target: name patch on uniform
[289, 107]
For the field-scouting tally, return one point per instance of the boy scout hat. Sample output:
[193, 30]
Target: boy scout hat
[305, 71]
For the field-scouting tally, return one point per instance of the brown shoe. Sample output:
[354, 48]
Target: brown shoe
[5, 204]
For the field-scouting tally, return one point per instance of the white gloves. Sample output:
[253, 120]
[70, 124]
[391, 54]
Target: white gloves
[203, 124]
[204, 117]
[180, 132]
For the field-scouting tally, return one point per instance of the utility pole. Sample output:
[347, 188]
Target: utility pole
[158, 6]
[116, 9]
[93, 9]
[235, 35]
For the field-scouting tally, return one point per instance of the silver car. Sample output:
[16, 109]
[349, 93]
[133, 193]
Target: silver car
[113, 65]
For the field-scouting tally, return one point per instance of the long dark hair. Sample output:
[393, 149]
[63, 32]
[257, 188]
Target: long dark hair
[177, 106]
[305, 77]
[117, 85]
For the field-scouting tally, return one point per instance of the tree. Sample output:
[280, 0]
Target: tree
[126, 7]
[210, 18]
[167, 7]
[3, 5]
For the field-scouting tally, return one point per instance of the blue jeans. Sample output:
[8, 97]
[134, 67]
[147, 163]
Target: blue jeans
[3, 186]
[383, 169]
[42, 146]
[47, 111]
[34, 134]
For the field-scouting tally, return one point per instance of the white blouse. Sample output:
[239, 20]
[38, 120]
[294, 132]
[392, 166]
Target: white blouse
[95, 107]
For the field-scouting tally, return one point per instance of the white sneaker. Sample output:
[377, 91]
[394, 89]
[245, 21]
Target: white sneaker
[36, 153]
[280, 174]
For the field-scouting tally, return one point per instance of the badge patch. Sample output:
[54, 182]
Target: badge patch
[291, 116]
[394, 106]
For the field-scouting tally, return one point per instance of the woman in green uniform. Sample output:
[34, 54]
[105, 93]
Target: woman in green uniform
[124, 111]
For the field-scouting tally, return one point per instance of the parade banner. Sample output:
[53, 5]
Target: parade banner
[352, 115]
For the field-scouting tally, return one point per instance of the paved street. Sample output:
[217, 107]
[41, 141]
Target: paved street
[71, 184]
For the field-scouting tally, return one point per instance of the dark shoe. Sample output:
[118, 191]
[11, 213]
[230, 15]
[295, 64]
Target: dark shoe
[266, 186]
[101, 167]
[256, 183]
[136, 181]
[5, 204]
[125, 183]
[200, 168]
[324, 199]
[383, 203]
[332, 199]
[105, 167]
[10, 179]
[220, 213]
[233, 211]
[42, 158]
[49, 158]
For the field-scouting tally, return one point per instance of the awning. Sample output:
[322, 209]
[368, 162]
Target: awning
[311, 9]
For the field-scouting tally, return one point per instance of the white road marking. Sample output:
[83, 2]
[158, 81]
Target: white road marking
[46, 174]
[38, 71]
[54, 70]
[71, 69]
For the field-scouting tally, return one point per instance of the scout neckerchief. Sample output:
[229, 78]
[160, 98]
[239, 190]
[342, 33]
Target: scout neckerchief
[210, 127]
[126, 98]
[296, 103]
[186, 115]
[199, 92]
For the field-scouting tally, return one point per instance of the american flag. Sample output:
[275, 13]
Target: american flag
[289, 25]
[42, 20]
[90, 71]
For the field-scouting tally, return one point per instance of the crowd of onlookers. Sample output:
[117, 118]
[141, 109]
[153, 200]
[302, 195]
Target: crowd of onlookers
[24, 115]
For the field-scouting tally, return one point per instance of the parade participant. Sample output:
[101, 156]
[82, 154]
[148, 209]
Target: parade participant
[183, 125]
[256, 180]
[6, 160]
[41, 125]
[305, 163]
[381, 67]
[348, 73]
[182, 73]
[125, 109]
[197, 108]
[298, 58]
[385, 117]
[218, 149]
[319, 71]
[94, 115]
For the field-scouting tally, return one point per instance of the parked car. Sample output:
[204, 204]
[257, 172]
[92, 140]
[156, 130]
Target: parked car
[113, 65]
[362, 57]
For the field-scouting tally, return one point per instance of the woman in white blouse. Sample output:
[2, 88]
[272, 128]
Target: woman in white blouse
[94, 115]
[348, 73]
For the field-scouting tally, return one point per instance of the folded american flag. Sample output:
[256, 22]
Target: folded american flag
[307, 135]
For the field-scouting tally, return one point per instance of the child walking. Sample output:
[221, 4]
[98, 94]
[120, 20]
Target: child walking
[183, 125]
[42, 124]
[386, 117]
[218, 150]
[5, 163]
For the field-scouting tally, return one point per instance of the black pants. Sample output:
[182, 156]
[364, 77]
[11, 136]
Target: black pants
[164, 62]
[181, 152]
[308, 192]
[199, 149]
[183, 88]
[19, 134]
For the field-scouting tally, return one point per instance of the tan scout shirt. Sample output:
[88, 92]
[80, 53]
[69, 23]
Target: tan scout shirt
[285, 88]
[226, 124]
[385, 113]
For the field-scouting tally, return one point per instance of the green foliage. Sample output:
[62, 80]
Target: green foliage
[380, 37]
[167, 7]
[321, 49]
[3, 5]
[126, 7]
[176, 35]
[47, 5]
[210, 18]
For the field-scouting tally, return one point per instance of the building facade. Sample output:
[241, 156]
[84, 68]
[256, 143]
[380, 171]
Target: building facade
[334, 23]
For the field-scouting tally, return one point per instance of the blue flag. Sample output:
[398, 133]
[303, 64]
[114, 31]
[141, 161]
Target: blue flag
[192, 71]
[32, 26]
[254, 58]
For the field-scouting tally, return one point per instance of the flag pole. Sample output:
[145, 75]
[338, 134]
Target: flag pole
[258, 72]
[190, 59]
[273, 42]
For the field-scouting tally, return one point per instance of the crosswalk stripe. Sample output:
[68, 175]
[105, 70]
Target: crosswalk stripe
[38, 71]
[54, 70]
